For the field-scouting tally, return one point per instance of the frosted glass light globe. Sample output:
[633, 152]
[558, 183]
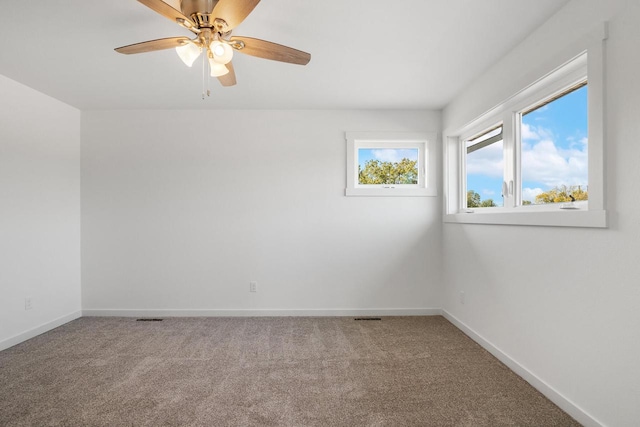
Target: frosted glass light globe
[217, 69]
[222, 52]
[189, 52]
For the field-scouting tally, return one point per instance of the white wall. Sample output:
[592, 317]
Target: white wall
[563, 303]
[181, 209]
[39, 212]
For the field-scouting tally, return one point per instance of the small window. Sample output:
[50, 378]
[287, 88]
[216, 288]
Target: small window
[554, 149]
[390, 164]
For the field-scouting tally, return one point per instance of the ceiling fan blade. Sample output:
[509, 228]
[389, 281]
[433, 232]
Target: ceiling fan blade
[228, 79]
[168, 12]
[274, 51]
[233, 11]
[151, 45]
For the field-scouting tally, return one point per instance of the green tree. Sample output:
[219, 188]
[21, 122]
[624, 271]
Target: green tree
[376, 172]
[562, 194]
[473, 199]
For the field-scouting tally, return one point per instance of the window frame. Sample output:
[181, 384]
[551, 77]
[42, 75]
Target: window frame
[423, 141]
[585, 63]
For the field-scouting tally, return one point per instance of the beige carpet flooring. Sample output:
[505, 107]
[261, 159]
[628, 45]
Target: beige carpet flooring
[399, 371]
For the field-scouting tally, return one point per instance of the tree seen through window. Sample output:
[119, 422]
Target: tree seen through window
[388, 166]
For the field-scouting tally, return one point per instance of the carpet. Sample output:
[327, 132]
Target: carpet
[283, 371]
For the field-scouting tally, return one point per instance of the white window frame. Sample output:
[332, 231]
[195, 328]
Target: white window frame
[423, 141]
[585, 63]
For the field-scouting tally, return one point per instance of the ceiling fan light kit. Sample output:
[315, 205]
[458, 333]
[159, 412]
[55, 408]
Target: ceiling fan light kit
[213, 21]
[222, 52]
[217, 70]
[189, 52]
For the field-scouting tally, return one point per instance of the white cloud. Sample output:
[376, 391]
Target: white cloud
[543, 161]
[552, 166]
[487, 161]
[528, 134]
[534, 133]
[530, 194]
[394, 155]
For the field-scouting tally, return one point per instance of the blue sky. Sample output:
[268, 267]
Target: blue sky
[554, 151]
[393, 155]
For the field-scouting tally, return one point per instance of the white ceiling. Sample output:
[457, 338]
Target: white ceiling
[410, 54]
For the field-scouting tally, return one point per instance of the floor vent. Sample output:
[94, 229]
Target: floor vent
[148, 320]
[367, 318]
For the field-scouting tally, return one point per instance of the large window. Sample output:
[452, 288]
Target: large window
[552, 145]
[390, 164]
[537, 158]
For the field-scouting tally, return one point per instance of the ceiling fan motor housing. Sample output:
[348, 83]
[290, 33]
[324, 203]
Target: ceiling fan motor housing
[205, 7]
[200, 12]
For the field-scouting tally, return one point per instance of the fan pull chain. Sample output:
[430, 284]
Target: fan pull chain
[208, 79]
[204, 59]
[206, 69]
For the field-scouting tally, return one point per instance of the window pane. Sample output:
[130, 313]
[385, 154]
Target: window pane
[485, 170]
[388, 166]
[554, 150]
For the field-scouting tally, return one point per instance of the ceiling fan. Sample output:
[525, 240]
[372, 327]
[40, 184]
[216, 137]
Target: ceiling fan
[212, 22]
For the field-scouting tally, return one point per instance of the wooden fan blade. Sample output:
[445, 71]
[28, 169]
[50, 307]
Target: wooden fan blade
[152, 45]
[233, 11]
[167, 11]
[228, 79]
[274, 51]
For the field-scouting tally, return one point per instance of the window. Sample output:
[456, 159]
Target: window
[384, 166]
[390, 164]
[537, 158]
[485, 169]
[554, 149]
[553, 152]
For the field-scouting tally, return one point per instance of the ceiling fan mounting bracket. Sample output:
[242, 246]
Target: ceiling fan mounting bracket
[236, 44]
[221, 26]
[189, 25]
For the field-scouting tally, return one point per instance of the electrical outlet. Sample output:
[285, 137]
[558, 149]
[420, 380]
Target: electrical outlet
[461, 297]
[27, 304]
[253, 286]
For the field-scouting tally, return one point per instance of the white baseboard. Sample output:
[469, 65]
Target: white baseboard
[552, 394]
[45, 327]
[264, 312]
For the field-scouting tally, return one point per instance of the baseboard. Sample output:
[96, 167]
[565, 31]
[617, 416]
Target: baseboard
[264, 312]
[552, 394]
[45, 327]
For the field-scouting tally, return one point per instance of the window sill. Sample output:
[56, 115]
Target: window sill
[555, 218]
[391, 192]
